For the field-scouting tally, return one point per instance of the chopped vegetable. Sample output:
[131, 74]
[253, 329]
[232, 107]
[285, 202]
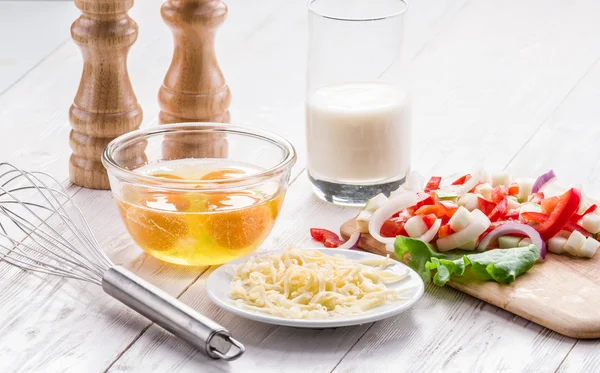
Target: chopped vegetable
[461, 180]
[500, 178]
[445, 230]
[542, 180]
[513, 203]
[433, 184]
[362, 221]
[415, 226]
[486, 206]
[577, 217]
[431, 232]
[499, 211]
[536, 197]
[352, 242]
[446, 194]
[507, 242]
[591, 223]
[499, 193]
[485, 190]
[575, 243]
[460, 220]
[469, 201]
[589, 248]
[429, 220]
[502, 265]
[548, 204]
[559, 217]
[478, 225]
[326, 237]
[513, 190]
[512, 228]
[395, 204]
[525, 186]
[557, 244]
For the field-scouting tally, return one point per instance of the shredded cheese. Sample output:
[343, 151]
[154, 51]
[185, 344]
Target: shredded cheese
[307, 284]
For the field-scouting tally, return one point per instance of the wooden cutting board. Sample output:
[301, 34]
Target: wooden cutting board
[562, 293]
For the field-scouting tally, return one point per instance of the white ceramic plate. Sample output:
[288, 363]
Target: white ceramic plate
[218, 282]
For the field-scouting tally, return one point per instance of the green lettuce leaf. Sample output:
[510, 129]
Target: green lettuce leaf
[500, 265]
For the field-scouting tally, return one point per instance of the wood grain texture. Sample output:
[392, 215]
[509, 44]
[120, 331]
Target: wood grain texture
[562, 293]
[105, 105]
[194, 89]
[489, 75]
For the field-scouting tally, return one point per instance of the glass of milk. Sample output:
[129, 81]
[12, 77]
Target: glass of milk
[358, 117]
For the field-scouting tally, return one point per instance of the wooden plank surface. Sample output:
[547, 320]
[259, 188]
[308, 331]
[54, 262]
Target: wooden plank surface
[496, 84]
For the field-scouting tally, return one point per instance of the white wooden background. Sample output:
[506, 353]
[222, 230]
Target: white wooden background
[504, 84]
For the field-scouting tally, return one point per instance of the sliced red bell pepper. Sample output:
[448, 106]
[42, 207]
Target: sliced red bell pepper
[577, 217]
[445, 230]
[461, 180]
[499, 193]
[576, 227]
[499, 211]
[548, 204]
[539, 217]
[326, 237]
[429, 220]
[559, 217]
[433, 184]
[485, 206]
[536, 197]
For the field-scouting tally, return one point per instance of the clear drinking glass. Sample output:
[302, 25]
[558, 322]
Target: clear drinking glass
[358, 105]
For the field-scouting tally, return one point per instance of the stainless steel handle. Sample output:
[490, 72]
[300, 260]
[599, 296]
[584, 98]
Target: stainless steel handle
[171, 314]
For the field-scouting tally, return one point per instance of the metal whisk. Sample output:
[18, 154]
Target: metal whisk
[43, 230]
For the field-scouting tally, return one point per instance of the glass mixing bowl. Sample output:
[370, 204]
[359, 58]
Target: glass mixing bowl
[199, 194]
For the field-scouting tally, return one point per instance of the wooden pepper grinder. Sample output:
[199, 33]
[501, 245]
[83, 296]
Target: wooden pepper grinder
[105, 105]
[194, 89]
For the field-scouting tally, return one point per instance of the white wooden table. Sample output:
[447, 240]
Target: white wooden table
[503, 84]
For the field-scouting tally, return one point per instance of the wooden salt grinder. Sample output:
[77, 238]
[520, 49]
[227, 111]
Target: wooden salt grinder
[194, 89]
[105, 105]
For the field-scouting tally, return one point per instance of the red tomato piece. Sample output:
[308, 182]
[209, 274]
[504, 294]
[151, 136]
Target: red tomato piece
[513, 190]
[476, 185]
[548, 204]
[461, 180]
[559, 217]
[499, 211]
[485, 206]
[499, 193]
[429, 220]
[393, 227]
[326, 237]
[512, 214]
[424, 199]
[536, 197]
[433, 184]
[444, 231]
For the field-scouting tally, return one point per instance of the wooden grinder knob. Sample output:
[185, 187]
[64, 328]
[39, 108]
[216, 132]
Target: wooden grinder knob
[105, 105]
[194, 89]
